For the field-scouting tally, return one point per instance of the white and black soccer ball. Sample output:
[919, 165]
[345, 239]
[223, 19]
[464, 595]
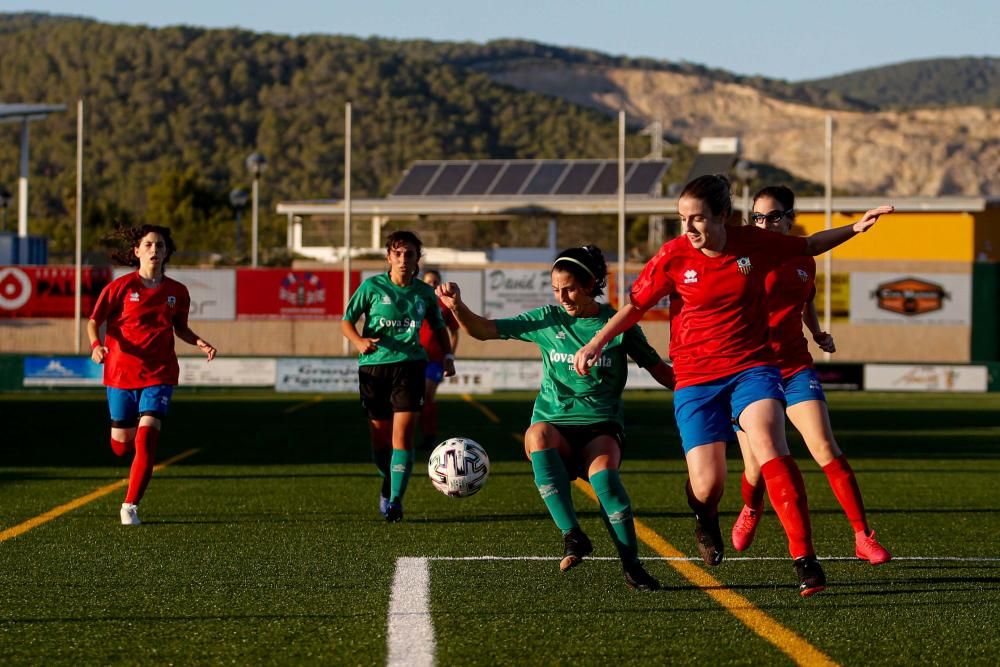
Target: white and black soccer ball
[458, 467]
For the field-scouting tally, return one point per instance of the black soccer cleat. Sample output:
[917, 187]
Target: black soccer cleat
[708, 538]
[638, 579]
[394, 512]
[576, 545]
[812, 579]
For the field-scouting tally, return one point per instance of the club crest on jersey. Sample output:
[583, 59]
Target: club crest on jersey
[743, 265]
[421, 308]
[171, 301]
[134, 297]
[690, 276]
[803, 276]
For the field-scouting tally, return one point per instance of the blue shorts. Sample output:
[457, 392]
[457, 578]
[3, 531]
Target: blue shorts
[705, 413]
[435, 371]
[125, 405]
[803, 386]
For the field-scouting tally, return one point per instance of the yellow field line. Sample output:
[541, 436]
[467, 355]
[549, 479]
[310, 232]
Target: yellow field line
[303, 405]
[492, 416]
[56, 512]
[795, 647]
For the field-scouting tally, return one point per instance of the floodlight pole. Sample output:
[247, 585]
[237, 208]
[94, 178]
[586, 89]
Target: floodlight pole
[79, 226]
[256, 163]
[828, 215]
[347, 216]
[22, 185]
[621, 209]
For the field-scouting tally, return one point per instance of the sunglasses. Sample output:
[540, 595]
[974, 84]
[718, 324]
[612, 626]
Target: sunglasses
[773, 217]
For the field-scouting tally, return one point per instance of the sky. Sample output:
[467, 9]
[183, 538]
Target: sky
[783, 39]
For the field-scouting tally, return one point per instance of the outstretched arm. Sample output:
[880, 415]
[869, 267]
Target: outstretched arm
[475, 325]
[662, 373]
[829, 239]
[590, 352]
[191, 338]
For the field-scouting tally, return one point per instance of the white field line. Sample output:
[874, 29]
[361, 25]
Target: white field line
[977, 559]
[410, 631]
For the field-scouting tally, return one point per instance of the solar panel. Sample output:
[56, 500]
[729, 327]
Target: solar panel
[545, 179]
[577, 178]
[448, 179]
[710, 163]
[529, 178]
[416, 179]
[644, 178]
[482, 176]
[513, 177]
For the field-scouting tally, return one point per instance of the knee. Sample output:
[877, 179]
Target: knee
[540, 436]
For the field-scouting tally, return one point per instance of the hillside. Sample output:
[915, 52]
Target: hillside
[907, 153]
[941, 82]
[172, 113]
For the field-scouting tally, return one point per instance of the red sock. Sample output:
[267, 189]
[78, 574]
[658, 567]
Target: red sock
[429, 418]
[146, 439]
[787, 492]
[845, 487]
[753, 495]
[122, 447]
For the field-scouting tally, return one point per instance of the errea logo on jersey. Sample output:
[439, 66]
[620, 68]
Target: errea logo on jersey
[134, 297]
[561, 335]
[386, 300]
[690, 276]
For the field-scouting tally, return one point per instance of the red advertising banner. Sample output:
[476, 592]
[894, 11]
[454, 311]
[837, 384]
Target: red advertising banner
[291, 293]
[49, 291]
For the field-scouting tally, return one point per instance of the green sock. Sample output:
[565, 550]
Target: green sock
[399, 472]
[617, 510]
[552, 481]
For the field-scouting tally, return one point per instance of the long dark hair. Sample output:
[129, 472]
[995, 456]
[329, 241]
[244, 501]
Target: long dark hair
[403, 236]
[715, 190]
[778, 193]
[127, 239]
[586, 264]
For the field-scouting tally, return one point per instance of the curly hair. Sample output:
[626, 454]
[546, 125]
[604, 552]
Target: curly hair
[128, 239]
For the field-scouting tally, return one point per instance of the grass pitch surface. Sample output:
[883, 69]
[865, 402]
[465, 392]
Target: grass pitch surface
[266, 546]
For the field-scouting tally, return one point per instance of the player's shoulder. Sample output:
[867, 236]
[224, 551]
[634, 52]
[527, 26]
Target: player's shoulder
[123, 281]
[174, 285]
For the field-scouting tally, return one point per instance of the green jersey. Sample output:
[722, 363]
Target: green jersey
[393, 314]
[565, 397]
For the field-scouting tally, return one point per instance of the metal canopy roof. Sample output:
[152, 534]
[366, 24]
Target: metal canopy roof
[528, 178]
[465, 207]
[16, 113]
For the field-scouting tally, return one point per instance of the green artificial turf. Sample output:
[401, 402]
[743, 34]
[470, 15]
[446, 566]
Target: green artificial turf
[267, 547]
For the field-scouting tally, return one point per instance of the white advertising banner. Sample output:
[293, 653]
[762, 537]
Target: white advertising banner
[226, 372]
[471, 283]
[893, 298]
[213, 291]
[900, 377]
[471, 377]
[317, 375]
[509, 292]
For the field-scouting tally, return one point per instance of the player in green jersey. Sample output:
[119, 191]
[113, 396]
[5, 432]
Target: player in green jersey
[577, 423]
[392, 363]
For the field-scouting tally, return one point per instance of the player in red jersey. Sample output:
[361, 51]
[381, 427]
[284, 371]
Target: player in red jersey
[723, 363]
[791, 289]
[436, 357]
[142, 311]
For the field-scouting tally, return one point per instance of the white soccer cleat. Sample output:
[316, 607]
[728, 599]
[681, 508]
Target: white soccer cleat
[130, 514]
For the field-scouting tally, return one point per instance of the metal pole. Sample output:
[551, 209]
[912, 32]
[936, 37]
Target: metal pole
[22, 189]
[621, 209]
[347, 215]
[253, 232]
[828, 210]
[79, 225]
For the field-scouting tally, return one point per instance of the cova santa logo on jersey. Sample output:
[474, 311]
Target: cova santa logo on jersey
[555, 357]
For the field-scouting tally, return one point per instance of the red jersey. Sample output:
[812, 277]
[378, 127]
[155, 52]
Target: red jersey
[789, 288]
[718, 304]
[427, 338]
[140, 330]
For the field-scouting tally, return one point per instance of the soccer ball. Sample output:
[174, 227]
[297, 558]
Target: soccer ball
[458, 467]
